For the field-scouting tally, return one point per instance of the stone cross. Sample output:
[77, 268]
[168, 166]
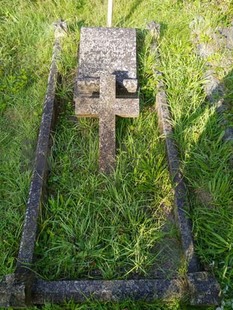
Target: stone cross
[106, 107]
[106, 83]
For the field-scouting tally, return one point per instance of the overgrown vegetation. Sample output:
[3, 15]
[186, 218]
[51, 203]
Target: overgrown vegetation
[113, 225]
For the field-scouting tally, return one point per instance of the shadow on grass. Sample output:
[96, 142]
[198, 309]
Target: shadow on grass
[76, 25]
[208, 168]
[126, 18]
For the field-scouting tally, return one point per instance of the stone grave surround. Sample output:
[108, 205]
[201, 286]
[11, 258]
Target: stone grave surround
[106, 83]
[24, 288]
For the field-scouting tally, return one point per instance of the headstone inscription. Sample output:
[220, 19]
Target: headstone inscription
[106, 83]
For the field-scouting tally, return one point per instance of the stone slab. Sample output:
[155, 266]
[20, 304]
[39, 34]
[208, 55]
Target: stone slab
[109, 50]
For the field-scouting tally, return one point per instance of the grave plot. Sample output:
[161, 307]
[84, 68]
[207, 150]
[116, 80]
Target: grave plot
[129, 200]
[110, 227]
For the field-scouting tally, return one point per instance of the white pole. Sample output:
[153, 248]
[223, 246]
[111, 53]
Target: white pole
[110, 5]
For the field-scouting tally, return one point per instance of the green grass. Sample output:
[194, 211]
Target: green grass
[113, 225]
[104, 223]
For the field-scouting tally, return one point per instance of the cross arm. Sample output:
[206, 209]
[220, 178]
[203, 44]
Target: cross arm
[89, 107]
[127, 107]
